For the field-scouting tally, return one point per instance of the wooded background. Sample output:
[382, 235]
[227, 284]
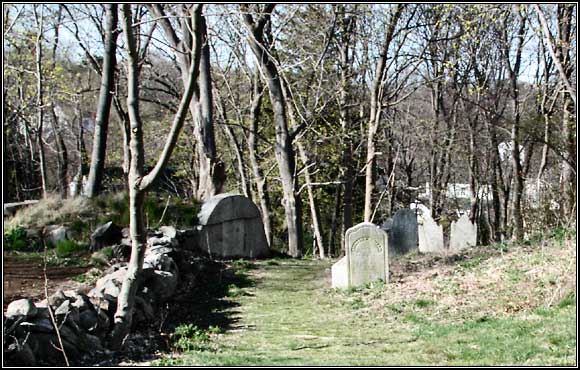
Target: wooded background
[324, 115]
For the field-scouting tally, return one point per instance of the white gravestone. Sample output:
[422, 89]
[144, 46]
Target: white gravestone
[366, 260]
[430, 235]
[463, 234]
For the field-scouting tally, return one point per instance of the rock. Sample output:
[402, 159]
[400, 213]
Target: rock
[21, 307]
[19, 355]
[67, 312]
[163, 285]
[143, 310]
[93, 342]
[168, 231]
[160, 262]
[57, 298]
[88, 320]
[54, 234]
[160, 249]
[122, 251]
[165, 241]
[105, 235]
[80, 301]
[69, 334]
[39, 326]
[110, 284]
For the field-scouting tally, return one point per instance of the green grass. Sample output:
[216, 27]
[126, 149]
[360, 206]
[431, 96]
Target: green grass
[290, 317]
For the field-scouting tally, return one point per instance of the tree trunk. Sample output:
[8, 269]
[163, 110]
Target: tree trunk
[138, 182]
[284, 151]
[40, 102]
[332, 251]
[347, 171]
[565, 66]
[244, 182]
[517, 170]
[62, 156]
[211, 170]
[377, 93]
[314, 211]
[97, 167]
[261, 182]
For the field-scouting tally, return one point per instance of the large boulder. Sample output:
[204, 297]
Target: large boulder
[106, 235]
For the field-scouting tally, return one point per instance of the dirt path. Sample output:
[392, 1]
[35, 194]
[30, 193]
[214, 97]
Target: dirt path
[25, 279]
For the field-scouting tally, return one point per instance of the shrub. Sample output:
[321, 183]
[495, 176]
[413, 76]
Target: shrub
[66, 248]
[15, 239]
[188, 337]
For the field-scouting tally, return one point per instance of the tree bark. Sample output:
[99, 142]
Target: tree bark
[40, 102]
[138, 182]
[211, 170]
[261, 181]
[284, 151]
[518, 176]
[97, 167]
[244, 182]
[377, 93]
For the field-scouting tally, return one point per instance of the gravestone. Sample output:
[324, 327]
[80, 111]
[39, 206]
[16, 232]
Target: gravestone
[403, 233]
[463, 234]
[366, 257]
[430, 235]
[231, 227]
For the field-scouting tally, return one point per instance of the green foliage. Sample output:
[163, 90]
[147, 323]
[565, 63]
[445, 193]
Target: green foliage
[568, 300]
[15, 239]
[422, 303]
[561, 234]
[66, 248]
[188, 337]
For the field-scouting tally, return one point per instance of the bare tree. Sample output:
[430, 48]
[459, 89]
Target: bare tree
[284, 150]
[139, 182]
[376, 95]
[97, 166]
[211, 177]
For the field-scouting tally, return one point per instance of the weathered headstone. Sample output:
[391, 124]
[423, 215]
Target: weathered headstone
[366, 257]
[430, 235]
[403, 233]
[463, 234]
[231, 226]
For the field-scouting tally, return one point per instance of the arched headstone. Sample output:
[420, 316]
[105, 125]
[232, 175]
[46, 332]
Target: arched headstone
[366, 259]
[463, 234]
[403, 234]
[231, 227]
[430, 235]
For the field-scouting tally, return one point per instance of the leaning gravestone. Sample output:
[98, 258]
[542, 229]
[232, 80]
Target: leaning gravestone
[231, 227]
[463, 234]
[366, 260]
[403, 234]
[430, 235]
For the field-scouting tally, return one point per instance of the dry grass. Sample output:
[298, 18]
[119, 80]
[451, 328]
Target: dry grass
[484, 282]
[50, 210]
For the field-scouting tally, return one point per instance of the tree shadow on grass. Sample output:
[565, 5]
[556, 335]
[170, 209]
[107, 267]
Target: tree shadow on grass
[204, 302]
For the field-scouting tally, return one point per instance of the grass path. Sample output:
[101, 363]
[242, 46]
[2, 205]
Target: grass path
[290, 316]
